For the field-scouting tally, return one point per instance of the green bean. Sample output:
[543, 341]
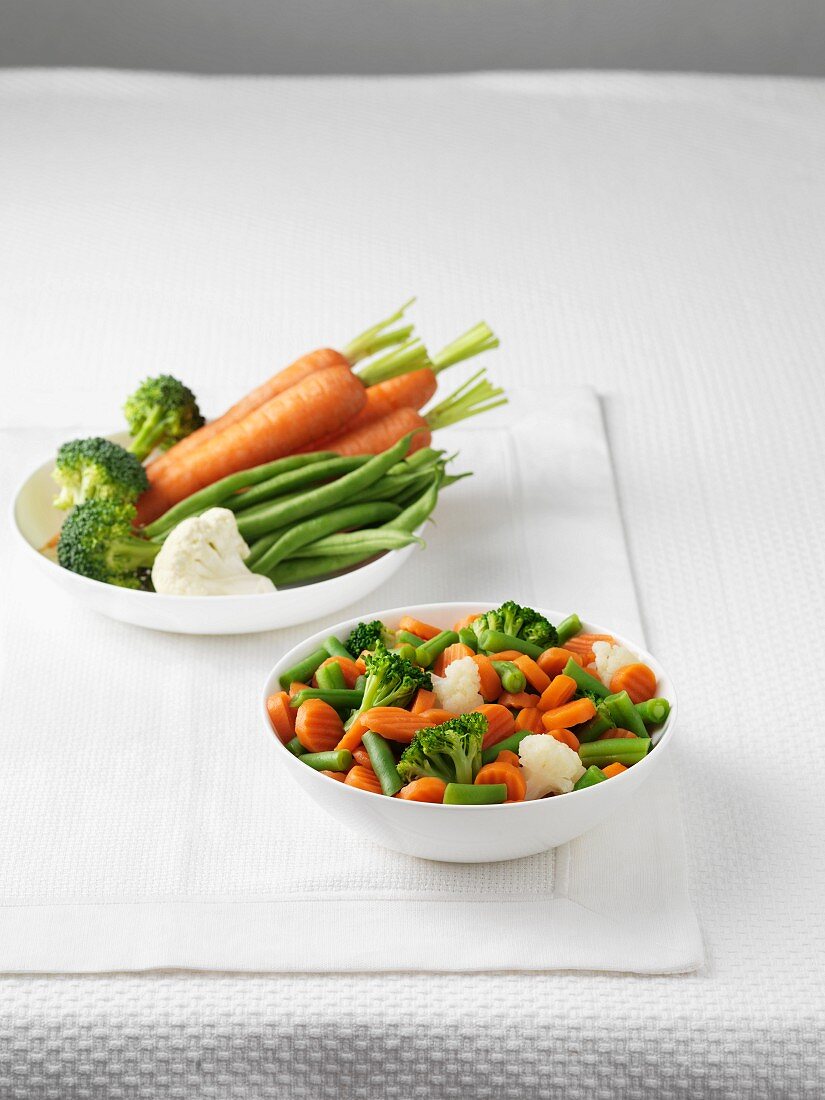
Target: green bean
[624, 714]
[592, 730]
[300, 535]
[475, 794]
[409, 639]
[219, 491]
[393, 485]
[305, 669]
[654, 711]
[427, 653]
[511, 743]
[338, 760]
[330, 677]
[406, 651]
[584, 680]
[345, 488]
[383, 763]
[295, 747]
[592, 776]
[418, 510]
[425, 456]
[615, 750]
[568, 628]
[368, 540]
[336, 648]
[294, 479]
[493, 641]
[302, 570]
[339, 697]
[512, 678]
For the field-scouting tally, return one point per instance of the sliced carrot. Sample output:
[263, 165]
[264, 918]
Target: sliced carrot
[512, 777]
[507, 757]
[462, 624]
[500, 723]
[608, 735]
[567, 737]
[426, 789]
[529, 718]
[518, 701]
[415, 626]
[560, 691]
[490, 682]
[571, 714]
[553, 660]
[364, 779]
[424, 700]
[317, 726]
[394, 723]
[583, 645]
[295, 687]
[361, 756]
[341, 777]
[506, 655]
[536, 677]
[638, 680]
[352, 738]
[452, 653]
[435, 716]
[281, 715]
[348, 667]
[613, 769]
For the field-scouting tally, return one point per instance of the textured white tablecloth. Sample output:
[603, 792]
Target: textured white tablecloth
[659, 237]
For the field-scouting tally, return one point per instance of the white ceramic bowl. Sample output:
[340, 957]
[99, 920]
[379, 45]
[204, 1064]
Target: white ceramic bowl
[465, 834]
[35, 521]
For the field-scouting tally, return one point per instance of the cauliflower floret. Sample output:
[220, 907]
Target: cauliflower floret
[549, 765]
[203, 556]
[458, 689]
[610, 658]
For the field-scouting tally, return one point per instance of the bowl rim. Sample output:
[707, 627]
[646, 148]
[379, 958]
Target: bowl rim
[664, 735]
[131, 593]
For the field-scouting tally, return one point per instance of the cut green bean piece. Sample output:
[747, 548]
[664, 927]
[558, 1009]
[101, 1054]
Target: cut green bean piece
[568, 628]
[511, 744]
[624, 714]
[592, 776]
[654, 711]
[295, 747]
[493, 641]
[427, 653]
[339, 760]
[615, 750]
[336, 697]
[409, 639]
[585, 681]
[305, 669]
[383, 763]
[330, 677]
[336, 648]
[475, 794]
[467, 636]
[512, 678]
[592, 730]
[407, 651]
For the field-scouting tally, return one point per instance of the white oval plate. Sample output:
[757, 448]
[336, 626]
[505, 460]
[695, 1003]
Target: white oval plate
[36, 520]
[465, 834]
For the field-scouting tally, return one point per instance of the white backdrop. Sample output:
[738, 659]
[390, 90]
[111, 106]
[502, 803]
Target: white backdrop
[371, 36]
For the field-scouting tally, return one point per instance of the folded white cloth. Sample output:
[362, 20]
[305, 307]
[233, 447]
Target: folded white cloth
[145, 825]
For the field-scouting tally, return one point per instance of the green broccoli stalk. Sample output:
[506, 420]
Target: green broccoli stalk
[391, 681]
[97, 469]
[366, 636]
[159, 413]
[518, 622]
[450, 752]
[98, 541]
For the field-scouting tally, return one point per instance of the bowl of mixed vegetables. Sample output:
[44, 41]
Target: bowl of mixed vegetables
[468, 732]
[301, 497]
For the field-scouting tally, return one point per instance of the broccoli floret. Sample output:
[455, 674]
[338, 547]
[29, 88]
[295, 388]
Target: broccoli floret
[159, 413]
[97, 540]
[451, 751]
[366, 636]
[391, 680]
[520, 622]
[97, 469]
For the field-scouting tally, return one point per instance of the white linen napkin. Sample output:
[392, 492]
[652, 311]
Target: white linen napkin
[145, 824]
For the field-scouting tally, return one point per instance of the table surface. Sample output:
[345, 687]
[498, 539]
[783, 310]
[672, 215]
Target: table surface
[660, 237]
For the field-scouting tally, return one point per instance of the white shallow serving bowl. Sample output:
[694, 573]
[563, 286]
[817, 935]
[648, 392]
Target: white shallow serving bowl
[465, 834]
[35, 521]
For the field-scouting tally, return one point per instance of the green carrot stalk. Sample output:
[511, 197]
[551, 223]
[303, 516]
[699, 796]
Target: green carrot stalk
[409, 356]
[376, 337]
[476, 396]
[383, 763]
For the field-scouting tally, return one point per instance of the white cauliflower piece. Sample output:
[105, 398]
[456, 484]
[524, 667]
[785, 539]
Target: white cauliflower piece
[204, 556]
[610, 658]
[549, 765]
[459, 689]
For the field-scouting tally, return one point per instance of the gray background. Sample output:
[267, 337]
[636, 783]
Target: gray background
[373, 36]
